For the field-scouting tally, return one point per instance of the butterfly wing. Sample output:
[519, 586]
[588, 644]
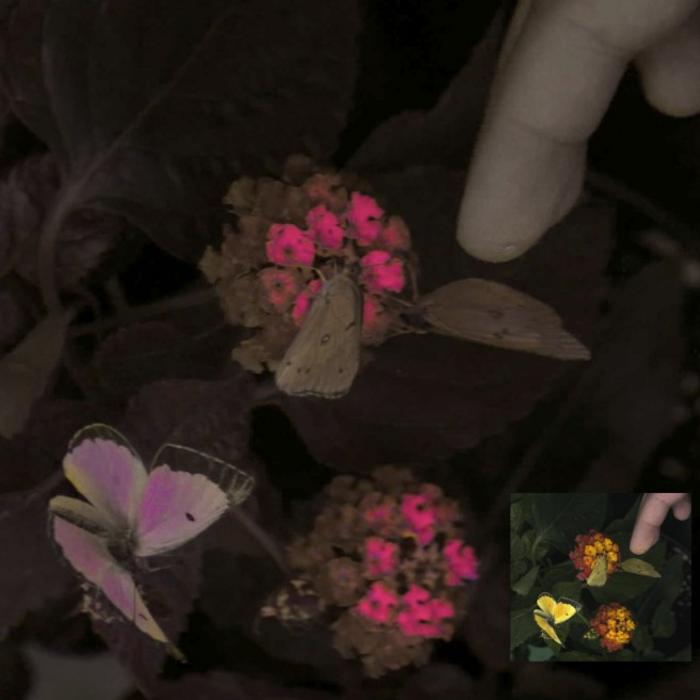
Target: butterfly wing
[544, 624]
[547, 604]
[563, 612]
[324, 357]
[88, 555]
[103, 466]
[487, 312]
[599, 573]
[176, 506]
[82, 514]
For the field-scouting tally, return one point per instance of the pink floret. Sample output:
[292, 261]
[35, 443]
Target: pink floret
[364, 216]
[281, 286]
[382, 273]
[381, 556]
[289, 245]
[303, 301]
[325, 227]
[462, 562]
[378, 604]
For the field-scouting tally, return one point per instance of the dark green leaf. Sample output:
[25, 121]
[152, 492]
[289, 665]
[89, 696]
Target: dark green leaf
[642, 640]
[568, 589]
[622, 587]
[539, 653]
[522, 626]
[523, 586]
[663, 623]
[559, 517]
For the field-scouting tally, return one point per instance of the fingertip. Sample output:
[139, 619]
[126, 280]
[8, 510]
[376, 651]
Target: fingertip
[682, 509]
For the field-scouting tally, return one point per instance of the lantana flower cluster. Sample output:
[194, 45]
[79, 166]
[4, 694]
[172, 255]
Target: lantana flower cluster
[292, 234]
[614, 624]
[588, 548]
[387, 556]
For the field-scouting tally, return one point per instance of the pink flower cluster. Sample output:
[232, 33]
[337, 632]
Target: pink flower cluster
[357, 239]
[416, 612]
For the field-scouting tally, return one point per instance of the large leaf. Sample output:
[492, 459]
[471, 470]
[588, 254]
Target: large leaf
[148, 103]
[25, 372]
[559, 517]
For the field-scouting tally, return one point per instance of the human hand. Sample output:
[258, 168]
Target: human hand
[652, 512]
[559, 68]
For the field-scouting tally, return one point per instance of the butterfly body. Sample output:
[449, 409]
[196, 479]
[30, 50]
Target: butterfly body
[324, 357]
[550, 612]
[130, 514]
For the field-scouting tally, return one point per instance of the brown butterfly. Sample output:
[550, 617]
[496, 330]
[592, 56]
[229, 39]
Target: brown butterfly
[324, 357]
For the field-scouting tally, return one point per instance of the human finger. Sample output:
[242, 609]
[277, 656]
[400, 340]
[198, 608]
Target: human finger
[652, 512]
[670, 70]
[553, 87]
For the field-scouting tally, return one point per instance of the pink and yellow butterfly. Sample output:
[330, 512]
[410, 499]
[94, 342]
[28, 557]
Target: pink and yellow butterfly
[131, 513]
[550, 612]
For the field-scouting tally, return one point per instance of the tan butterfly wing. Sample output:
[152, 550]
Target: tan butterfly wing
[491, 313]
[324, 357]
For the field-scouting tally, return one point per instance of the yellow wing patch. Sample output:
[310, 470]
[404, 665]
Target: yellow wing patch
[541, 620]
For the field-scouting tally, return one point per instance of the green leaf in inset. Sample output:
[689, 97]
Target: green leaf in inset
[539, 653]
[518, 567]
[523, 585]
[639, 567]
[522, 626]
[559, 517]
[622, 587]
[567, 589]
[663, 624]
[642, 640]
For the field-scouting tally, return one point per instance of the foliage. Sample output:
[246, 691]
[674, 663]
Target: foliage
[639, 593]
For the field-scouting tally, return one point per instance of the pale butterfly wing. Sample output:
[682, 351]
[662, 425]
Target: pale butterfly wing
[102, 465]
[324, 357]
[88, 554]
[176, 507]
[599, 573]
[234, 482]
[544, 624]
[491, 313]
[82, 514]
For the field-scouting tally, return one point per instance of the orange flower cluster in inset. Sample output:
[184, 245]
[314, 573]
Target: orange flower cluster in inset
[588, 548]
[614, 625]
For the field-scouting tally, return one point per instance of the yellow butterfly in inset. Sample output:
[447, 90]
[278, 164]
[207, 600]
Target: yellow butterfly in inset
[551, 613]
[599, 572]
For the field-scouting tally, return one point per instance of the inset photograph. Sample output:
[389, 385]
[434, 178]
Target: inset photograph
[600, 577]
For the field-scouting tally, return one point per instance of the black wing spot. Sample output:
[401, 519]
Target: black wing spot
[340, 370]
[325, 338]
[190, 517]
[308, 370]
[287, 363]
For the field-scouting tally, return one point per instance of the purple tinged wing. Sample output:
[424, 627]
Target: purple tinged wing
[103, 466]
[88, 555]
[176, 507]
